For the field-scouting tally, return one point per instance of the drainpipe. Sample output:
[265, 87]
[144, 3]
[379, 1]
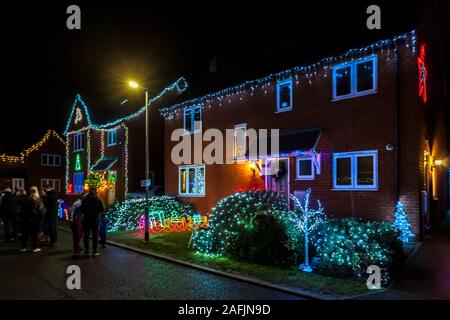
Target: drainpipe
[397, 126]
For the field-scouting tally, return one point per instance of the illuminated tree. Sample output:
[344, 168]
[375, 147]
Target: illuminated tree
[402, 224]
[306, 219]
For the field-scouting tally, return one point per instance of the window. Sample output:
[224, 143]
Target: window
[78, 142]
[112, 138]
[355, 78]
[355, 170]
[193, 119]
[240, 141]
[50, 160]
[284, 95]
[18, 184]
[78, 182]
[54, 183]
[191, 180]
[305, 168]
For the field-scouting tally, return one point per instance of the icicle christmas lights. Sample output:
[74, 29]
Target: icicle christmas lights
[307, 72]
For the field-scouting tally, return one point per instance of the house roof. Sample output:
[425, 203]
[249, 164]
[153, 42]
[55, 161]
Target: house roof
[104, 164]
[220, 95]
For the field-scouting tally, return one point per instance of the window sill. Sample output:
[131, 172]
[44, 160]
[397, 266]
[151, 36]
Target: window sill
[283, 110]
[353, 189]
[305, 179]
[78, 150]
[111, 145]
[356, 95]
[186, 195]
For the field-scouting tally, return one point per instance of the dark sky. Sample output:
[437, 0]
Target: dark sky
[44, 64]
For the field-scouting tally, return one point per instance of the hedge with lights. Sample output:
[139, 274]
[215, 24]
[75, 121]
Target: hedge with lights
[126, 215]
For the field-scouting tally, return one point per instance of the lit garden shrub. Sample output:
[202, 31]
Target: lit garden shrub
[237, 225]
[125, 215]
[347, 246]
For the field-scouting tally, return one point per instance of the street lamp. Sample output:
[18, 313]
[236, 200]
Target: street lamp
[135, 85]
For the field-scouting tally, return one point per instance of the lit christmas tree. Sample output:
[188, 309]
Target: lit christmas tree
[307, 219]
[402, 224]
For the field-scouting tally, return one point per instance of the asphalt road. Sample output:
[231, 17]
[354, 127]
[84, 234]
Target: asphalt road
[115, 274]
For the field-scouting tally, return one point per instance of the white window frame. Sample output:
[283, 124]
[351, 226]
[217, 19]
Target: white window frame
[191, 110]
[282, 83]
[78, 142]
[241, 126]
[111, 138]
[73, 182]
[188, 167]
[47, 162]
[354, 78]
[297, 168]
[51, 182]
[17, 183]
[354, 170]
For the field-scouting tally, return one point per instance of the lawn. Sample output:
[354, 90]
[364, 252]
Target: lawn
[175, 245]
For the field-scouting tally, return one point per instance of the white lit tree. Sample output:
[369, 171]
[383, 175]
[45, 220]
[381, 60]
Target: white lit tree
[402, 224]
[306, 219]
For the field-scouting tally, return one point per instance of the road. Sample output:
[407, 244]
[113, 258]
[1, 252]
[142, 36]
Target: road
[115, 274]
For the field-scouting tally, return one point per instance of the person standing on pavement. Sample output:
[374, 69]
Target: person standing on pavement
[91, 207]
[8, 213]
[76, 217]
[103, 229]
[31, 209]
[51, 215]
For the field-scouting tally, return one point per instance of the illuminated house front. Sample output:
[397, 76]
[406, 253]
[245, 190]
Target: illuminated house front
[352, 128]
[112, 154]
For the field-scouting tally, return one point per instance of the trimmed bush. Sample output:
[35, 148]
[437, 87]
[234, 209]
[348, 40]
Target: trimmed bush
[125, 215]
[347, 246]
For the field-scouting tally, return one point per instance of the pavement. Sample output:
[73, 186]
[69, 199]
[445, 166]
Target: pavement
[115, 274]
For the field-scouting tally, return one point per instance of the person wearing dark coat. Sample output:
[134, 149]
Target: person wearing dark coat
[31, 211]
[91, 207]
[50, 201]
[8, 213]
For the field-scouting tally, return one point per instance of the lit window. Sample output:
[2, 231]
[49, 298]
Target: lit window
[355, 78]
[355, 170]
[284, 95]
[192, 180]
[78, 182]
[50, 160]
[78, 142]
[54, 183]
[240, 144]
[112, 138]
[305, 168]
[193, 119]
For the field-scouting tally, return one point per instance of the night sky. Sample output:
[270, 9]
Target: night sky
[44, 64]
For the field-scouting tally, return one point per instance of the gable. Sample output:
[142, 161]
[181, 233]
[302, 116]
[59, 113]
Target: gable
[79, 116]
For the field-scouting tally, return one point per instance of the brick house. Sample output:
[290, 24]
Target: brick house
[115, 150]
[355, 128]
[39, 165]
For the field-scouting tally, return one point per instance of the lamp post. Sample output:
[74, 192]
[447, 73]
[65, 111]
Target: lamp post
[135, 85]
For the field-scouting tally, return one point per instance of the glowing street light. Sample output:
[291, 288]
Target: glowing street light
[133, 84]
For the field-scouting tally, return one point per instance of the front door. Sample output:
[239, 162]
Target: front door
[277, 180]
[111, 190]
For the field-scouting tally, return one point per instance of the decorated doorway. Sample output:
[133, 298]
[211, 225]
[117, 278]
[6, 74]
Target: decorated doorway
[111, 189]
[277, 177]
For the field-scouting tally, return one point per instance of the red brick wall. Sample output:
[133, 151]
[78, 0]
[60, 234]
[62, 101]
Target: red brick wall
[356, 124]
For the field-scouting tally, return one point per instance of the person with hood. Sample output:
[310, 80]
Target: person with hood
[8, 212]
[91, 207]
[50, 201]
[31, 211]
[76, 218]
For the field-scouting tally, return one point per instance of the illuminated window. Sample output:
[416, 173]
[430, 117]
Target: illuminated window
[50, 160]
[240, 143]
[305, 168]
[54, 183]
[284, 95]
[112, 138]
[193, 119]
[191, 180]
[355, 170]
[78, 142]
[78, 182]
[355, 78]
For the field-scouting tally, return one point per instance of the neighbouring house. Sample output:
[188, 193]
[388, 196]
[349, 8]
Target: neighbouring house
[115, 151]
[39, 165]
[363, 130]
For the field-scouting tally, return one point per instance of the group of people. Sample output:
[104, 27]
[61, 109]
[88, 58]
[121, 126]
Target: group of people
[29, 217]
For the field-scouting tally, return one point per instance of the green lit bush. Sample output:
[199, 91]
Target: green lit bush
[248, 225]
[125, 215]
[347, 246]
